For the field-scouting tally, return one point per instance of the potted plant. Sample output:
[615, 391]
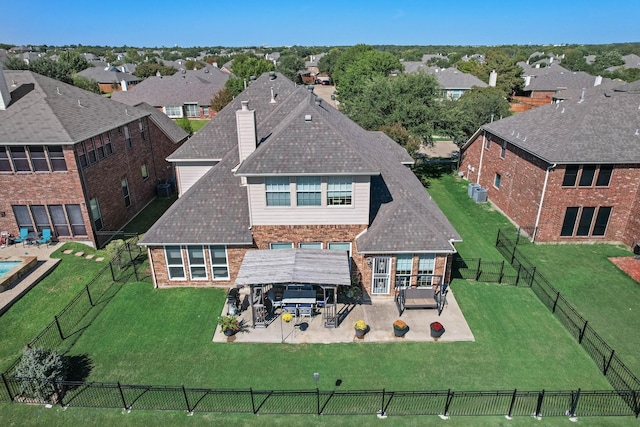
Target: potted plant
[400, 328]
[361, 328]
[436, 329]
[287, 317]
[229, 325]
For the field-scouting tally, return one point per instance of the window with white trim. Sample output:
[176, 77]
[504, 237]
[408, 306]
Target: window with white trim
[192, 110]
[173, 111]
[310, 245]
[339, 190]
[496, 180]
[145, 172]
[197, 264]
[403, 270]
[95, 213]
[280, 245]
[127, 136]
[125, 191]
[219, 262]
[426, 265]
[278, 191]
[175, 262]
[308, 191]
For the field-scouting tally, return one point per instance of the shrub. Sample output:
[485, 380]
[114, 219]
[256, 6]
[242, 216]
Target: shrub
[42, 367]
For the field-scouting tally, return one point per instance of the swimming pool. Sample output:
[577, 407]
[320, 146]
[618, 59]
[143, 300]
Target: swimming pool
[6, 266]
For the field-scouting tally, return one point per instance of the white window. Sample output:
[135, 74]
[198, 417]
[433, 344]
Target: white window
[503, 150]
[308, 191]
[127, 136]
[403, 270]
[219, 262]
[280, 245]
[339, 190]
[175, 263]
[426, 263]
[310, 245]
[192, 110]
[145, 172]
[125, 192]
[496, 180]
[173, 111]
[95, 214]
[197, 265]
[278, 191]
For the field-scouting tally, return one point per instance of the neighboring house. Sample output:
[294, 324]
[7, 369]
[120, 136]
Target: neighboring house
[278, 168]
[184, 94]
[273, 57]
[110, 78]
[547, 85]
[569, 171]
[311, 71]
[74, 161]
[630, 61]
[453, 82]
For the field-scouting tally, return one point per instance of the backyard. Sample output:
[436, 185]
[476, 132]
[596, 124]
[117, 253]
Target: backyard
[163, 337]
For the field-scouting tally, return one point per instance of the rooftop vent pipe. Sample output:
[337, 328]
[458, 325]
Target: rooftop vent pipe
[318, 100]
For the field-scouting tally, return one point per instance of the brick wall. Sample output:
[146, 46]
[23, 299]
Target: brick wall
[521, 184]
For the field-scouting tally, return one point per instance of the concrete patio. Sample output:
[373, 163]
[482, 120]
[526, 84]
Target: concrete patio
[378, 315]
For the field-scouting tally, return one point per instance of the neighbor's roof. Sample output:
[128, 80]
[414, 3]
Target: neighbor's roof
[109, 74]
[193, 86]
[562, 80]
[304, 266]
[601, 128]
[452, 78]
[47, 111]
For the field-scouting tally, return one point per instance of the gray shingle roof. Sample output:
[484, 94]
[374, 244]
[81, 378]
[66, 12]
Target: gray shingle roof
[600, 129]
[403, 218]
[108, 75]
[554, 81]
[448, 78]
[198, 86]
[168, 126]
[44, 110]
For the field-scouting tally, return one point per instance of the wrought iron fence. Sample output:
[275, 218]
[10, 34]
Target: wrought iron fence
[617, 373]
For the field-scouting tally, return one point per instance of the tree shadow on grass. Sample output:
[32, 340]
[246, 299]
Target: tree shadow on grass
[78, 367]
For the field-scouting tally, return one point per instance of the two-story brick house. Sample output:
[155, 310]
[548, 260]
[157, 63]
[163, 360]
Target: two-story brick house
[278, 168]
[569, 171]
[76, 162]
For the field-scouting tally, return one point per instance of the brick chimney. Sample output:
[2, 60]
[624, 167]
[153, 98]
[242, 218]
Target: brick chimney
[5, 94]
[246, 125]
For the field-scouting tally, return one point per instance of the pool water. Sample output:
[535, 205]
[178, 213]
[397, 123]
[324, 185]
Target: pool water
[6, 266]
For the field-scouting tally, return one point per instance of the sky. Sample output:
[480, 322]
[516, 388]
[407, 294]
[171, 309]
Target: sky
[160, 23]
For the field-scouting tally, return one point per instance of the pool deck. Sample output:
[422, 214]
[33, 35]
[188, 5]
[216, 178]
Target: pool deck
[21, 286]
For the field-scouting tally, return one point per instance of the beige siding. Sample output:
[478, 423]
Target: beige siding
[356, 213]
[188, 173]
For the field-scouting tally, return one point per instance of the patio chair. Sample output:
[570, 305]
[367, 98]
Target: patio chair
[24, 232]
[291, 308]
[46, 237]
[275, 301]
[305, 310]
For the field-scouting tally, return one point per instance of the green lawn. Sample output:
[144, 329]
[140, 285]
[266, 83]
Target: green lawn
[145, 219]
[196, 125]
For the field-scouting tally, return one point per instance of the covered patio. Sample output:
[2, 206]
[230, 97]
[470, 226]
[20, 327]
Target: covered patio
[303, 282]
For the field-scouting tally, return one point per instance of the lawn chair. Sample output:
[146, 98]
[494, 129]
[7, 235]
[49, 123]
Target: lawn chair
[24, 232]
[46, 237]
[305, 310]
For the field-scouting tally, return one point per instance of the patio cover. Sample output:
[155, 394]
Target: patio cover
[284, 266]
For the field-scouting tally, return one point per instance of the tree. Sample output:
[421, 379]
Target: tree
[222, 98]
[86, 83]
[72, 62]
[234, 85]
[185, 124]
[346, 58]
[244, 66]
[327, 63]
[574, 60]
[607, 59]
[461, 118]
[290, 65]
[148, 69]
[15, 63]
[367, 65]
[193, 65]
[509, 72]
[45, 367]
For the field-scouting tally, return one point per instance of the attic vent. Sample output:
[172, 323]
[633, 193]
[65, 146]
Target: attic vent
[310, 88]
[318, 100]
[252, 78]
[272, 75]
[307, 118]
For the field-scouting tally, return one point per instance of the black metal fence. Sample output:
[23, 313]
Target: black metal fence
[69, 324]
[510, 403]
[616, 372]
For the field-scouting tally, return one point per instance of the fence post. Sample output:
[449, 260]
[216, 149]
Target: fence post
[574, 404]
[606, 366]
[124, 402]
[518, 236]
[448, 403]
[555, 303]
[518, 275]
[584, 329]
[113, 276]
[636, 406]
[59, 328]
[478, 270]
[133, 264]
[501, 272]
[513, 402]
[89, 295]
[186, 399]
[539, 405]
[253, 403]
[382, 406]
[498, 237]
[6, 384]
[533, 275]
[318, 399]
[513, 254]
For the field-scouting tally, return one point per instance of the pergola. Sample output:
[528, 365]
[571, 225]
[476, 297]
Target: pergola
[328, 269]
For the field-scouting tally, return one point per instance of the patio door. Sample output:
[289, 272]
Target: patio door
[381, 275]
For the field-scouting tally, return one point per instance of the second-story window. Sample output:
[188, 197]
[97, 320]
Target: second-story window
[125, 192]
[278, 191]
[339, 190]
[127, 136]
[56, 157]
[308, 191]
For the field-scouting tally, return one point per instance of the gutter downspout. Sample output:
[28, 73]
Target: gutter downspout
[544, 190]
[482, 148]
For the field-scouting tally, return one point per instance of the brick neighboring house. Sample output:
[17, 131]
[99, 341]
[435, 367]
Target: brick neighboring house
[74, 161]
[571, 169]
[279, 168]
[111, 78]
[187, 93]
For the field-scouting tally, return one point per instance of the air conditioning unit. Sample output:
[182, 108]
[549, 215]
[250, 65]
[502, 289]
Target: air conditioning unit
[472, 189]
[480, 195]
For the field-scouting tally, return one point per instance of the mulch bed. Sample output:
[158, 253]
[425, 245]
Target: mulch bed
[629, 265]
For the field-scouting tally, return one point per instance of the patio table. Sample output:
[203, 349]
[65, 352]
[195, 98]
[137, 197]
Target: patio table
[291, 296]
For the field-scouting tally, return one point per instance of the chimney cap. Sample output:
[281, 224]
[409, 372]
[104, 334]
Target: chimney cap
[245, 105]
